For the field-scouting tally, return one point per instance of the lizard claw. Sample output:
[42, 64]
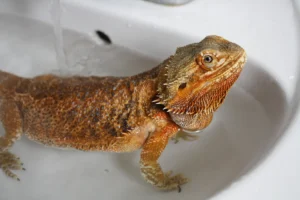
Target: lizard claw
[8, 162]
[174, 182]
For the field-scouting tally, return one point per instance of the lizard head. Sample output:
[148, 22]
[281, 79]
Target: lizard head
[194, 82]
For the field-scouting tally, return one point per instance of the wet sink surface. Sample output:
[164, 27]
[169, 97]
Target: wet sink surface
[242, 129]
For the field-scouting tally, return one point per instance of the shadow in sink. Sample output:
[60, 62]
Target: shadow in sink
[239, 136]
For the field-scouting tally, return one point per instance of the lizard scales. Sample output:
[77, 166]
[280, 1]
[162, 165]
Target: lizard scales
[122, 114]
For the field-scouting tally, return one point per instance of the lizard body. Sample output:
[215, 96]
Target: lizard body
[121, 114]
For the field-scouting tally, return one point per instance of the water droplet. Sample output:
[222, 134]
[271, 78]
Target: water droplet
[129, 25]
[291, 77]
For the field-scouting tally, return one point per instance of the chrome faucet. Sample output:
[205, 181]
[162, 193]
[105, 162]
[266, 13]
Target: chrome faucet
[170, 2]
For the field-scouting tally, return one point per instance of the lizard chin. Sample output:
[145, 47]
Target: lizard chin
[191, 131]
[192, 123]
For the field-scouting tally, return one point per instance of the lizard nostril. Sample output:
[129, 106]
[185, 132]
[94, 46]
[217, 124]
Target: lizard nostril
[182, 86]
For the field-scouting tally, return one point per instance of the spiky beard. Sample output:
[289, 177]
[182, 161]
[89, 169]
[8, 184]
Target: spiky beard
[201, 102]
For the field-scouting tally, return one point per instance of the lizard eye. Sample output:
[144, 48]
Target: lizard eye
[207, 59]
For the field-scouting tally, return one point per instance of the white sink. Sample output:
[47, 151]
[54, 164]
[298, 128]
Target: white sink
[252, 139]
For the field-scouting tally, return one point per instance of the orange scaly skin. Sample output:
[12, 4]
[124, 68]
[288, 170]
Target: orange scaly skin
[119, 114]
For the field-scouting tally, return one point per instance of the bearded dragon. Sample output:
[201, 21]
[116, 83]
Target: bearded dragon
[121, 114]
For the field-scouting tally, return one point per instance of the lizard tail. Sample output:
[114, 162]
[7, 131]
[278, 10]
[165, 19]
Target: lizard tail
[8, 83]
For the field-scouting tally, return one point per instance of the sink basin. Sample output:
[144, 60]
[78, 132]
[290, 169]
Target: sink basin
[255, 119]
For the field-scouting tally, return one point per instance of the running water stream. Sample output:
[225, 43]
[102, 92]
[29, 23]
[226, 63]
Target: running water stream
[55, 12]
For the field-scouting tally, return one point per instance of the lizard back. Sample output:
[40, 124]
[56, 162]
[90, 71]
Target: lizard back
[79, 111]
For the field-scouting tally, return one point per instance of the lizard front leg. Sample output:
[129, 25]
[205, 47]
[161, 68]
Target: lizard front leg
[151, 151]
[11, 119]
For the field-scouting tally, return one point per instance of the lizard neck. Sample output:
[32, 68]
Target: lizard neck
[151, 74]
[144, 86]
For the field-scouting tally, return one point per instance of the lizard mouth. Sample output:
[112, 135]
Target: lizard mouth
[228, 68]
[233, 66]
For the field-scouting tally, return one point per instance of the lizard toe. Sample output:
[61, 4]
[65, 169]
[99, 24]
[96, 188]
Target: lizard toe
[8, 162]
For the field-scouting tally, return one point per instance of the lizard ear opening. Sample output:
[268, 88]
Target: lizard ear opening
[182, 86]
